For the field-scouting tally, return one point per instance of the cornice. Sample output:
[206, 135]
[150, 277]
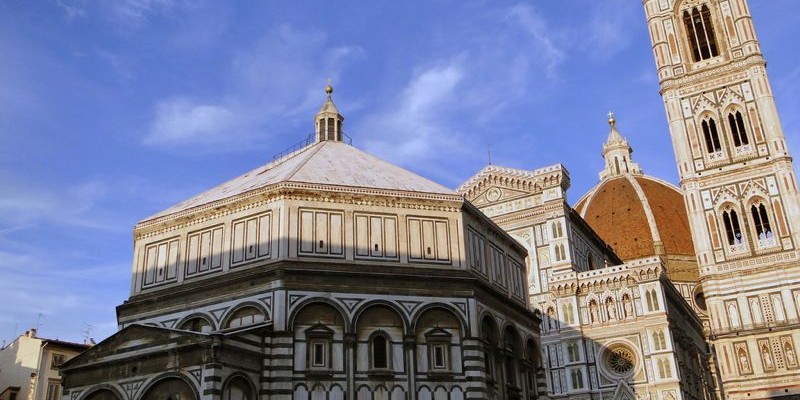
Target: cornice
[297, 192]
[703, 76]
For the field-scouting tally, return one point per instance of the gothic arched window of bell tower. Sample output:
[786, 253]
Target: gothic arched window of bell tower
[761, 221]
[700, 33]
[736, 123]
[733, 231]
[711, 136]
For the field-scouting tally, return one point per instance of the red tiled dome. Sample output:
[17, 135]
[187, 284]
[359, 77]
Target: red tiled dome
[639, 216]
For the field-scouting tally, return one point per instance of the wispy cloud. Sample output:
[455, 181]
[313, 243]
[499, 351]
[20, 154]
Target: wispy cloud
[448, 103]
[280, 76]
[411, 126]
[609, 29]
[536, 26]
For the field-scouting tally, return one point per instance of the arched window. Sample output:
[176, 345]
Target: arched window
[379, 347]
[590, 261]
[652, 300]
[558, 231]
[197, 324]
[659, 340]
[733, 231]
[700, 33]
[245, 316]
[736, 123]
[711, 136]
[572, 351]
[761, 221]
[577, 378]
[566, 313]
[238, 388]
[560, 254]
[664, 369]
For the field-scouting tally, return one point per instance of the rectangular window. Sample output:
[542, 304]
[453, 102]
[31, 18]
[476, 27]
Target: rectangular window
[54, 390]
[161, 262]
[428, 239]
[318, 358]
[376, 236]
[439, 357]
[321, 233]
[57, 360]
[205, 251]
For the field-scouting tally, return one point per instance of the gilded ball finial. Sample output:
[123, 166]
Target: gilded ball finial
[328, 88]
[611, 120]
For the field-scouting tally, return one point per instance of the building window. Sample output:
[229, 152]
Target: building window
[197, 324]
[319, 349]
[561, 254]
[245, 316]
[577, 378]
[573, 351]
[761, 221]
[736, 123]
[438, 341]
[319, 338]
[57, 360]
[659, 340]
[733, 231]
[53, 390]
[557, 230]
[700, 33]
[711, 136]
[566, 313]
[652, 300]
[664, 369]
[439, 357]
[379, 351]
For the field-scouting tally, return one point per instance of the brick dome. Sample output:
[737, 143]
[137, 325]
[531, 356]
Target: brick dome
[640, 216]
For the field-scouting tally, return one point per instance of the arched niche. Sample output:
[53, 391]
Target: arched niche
[170, 389]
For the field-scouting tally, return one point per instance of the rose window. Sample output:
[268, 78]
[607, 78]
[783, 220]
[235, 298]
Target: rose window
[621, 360]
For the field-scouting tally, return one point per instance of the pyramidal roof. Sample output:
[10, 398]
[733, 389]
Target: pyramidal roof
[330, 164]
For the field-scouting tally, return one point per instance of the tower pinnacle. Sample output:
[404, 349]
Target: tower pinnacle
[617, 153]
[328, 121]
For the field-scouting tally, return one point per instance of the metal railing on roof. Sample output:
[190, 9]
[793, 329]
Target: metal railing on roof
[308, 141]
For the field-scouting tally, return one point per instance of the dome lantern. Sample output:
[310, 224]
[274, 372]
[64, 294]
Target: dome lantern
[328, 121]
[617, 153]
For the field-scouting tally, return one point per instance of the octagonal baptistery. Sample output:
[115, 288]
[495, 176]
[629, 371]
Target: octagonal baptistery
[641, 216]
[325, 274]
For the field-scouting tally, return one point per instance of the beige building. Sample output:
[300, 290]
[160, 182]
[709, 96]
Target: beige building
[614, 277]
[325, 274]
[29, 367]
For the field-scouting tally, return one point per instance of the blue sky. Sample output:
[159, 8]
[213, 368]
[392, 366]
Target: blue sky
[113, 110]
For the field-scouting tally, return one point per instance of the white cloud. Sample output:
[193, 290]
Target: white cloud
[180, 121]
[526, 17]
[449, 103]
[409, 126]
[71, 11]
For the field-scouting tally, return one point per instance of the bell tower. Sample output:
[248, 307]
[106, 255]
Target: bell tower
[740, 189]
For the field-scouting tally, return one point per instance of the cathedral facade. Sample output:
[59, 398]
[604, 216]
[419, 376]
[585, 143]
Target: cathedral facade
[331, 274]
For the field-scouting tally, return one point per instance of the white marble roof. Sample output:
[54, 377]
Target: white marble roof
[324, 163]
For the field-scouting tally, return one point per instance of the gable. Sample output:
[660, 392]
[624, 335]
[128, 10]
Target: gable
[131, 339]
